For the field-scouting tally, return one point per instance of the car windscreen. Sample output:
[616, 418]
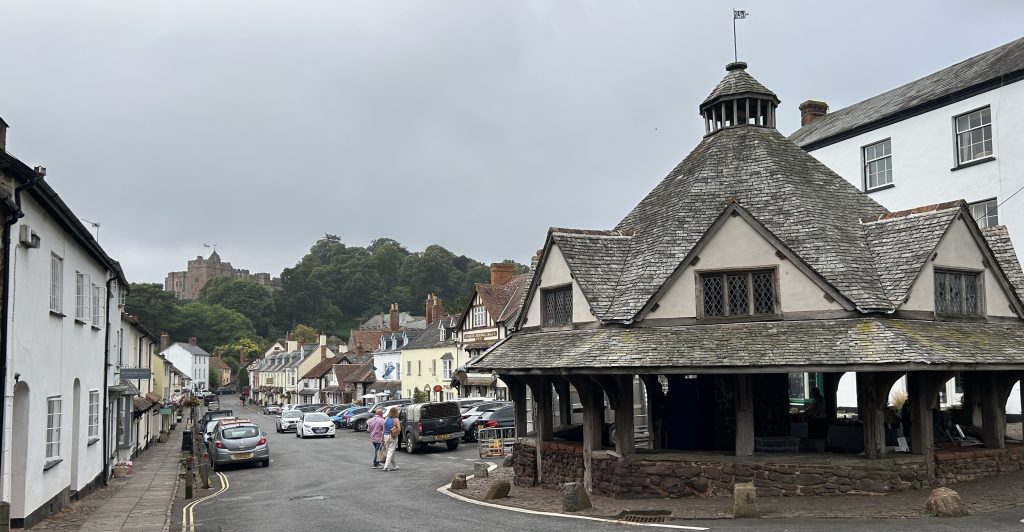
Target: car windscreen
[210, 425]
[316, 416]
[439, 410]
[237, 433]
[291, 414]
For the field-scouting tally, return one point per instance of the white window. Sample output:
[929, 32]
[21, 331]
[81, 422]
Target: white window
[986, 213]
[94, 413]
[56, 284]
[878, 164]
[53, 427]
[82, 310]
[446, 369]
[479, 316]
[974, 135]
[408, 368]
[97, 305]
[419, 368]
[122, 295]
[433, 368]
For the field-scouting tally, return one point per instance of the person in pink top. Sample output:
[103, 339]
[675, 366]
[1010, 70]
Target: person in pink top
[375, 426]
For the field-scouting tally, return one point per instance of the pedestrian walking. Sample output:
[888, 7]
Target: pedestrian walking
[392, 430]
[375, 426]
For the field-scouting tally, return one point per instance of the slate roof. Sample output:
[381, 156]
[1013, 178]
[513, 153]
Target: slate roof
[219, 364]
[803, 203]
[321, 368]
[597, 260]
[943, 86]
[902, 242]
[405, 319]
[194, 349]
[368, 339]
[737, 81]
[497, 297]
[999, 242]
[839, 344]
[431, 336]
[355, 372]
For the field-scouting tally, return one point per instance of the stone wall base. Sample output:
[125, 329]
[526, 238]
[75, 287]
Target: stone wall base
[959, 465]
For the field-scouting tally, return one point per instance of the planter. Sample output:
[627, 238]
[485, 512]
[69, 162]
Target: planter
[121, 471]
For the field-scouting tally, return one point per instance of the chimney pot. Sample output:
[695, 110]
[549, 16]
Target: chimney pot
[192, 340]
[502, 273]
[812, 110]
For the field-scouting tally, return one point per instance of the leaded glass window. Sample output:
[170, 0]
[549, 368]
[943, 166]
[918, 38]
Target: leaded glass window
[730, 294]
[557, 306]
[957, 293]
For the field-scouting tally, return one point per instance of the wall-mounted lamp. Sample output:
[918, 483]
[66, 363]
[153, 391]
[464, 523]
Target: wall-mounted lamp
[17, 377]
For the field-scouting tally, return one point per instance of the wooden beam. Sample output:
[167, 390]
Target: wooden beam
[993, 412]
[564, 401]
[625, 443]
[830, 385]
[872, 399]
[744, 416]
[517, 392]
[592, 399]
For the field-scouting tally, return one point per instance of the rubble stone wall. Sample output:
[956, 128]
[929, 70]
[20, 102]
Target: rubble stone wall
[970, 464]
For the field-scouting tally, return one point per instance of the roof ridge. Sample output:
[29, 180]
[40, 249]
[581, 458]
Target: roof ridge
[592, 232]
[924, 209]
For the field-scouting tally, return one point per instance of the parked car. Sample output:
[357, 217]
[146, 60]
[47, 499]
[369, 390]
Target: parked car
[272, 410]
[472, 413]
[288, 420]
[345, 415]
[424, 423]
[311, 407]
[503, 416]
[331, 410]
[238, 443]
[314, 424]
[359, 422]
[213, 414]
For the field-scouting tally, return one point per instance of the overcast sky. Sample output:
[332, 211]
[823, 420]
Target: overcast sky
[259, 126]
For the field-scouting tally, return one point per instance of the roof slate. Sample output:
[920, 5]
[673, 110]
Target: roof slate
[838, 343]
[735, 82]
[998, 238]
[321, 368]
[991, 65]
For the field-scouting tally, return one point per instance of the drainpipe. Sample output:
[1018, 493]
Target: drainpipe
[5, 305]
[106, 384]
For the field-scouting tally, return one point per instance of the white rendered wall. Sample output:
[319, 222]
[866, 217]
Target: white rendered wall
[556, 273]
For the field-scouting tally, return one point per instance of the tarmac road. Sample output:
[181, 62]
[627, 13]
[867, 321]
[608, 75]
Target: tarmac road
[328, 484]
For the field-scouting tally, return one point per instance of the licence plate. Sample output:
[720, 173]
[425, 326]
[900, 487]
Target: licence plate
[241, 456]
[319, 431]
[441, 437]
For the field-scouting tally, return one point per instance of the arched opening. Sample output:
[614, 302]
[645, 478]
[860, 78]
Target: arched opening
[19, 449]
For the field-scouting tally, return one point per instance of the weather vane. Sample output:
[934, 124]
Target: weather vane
[736, 15]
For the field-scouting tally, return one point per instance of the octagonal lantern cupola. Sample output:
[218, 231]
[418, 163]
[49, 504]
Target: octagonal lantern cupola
[738, 100]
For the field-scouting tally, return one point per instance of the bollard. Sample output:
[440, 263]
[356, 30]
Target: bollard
[189, 477]
[204, 471]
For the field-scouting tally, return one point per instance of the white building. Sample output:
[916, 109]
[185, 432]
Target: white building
[953, 134]
[60, 299]
[191, 359]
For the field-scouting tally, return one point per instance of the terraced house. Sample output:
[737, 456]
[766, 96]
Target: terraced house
[751, 261]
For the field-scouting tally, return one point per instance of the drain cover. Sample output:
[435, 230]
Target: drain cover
[645, 516]
[310, 498]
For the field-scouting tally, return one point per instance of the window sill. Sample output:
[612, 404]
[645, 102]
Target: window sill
[79, 321]
[878, 189]
[51, 463]
[95, 328]
[56, 314]
[92, 440]
[975, 162]
[739, 319]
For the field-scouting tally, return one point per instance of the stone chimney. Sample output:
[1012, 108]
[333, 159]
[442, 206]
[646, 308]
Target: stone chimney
[323, 339]
[812, 110]
[292, 345]
[394, 317]
[165, 341]
[323, 351]
[437, 309]
[428, 311]
[3, 135]
[192, 340]
[536, 258]
[502, 273]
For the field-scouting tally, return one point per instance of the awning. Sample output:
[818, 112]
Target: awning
[473, 380]
[386, 385]
[307, 391]
[332, 388]
[141, 404]
[125, 388]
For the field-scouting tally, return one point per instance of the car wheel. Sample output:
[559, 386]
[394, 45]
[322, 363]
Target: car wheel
[297, 433]
[278, 430]
[332, 435]
[266, 463]
[410, 445]
[361, 426]
[452, 444]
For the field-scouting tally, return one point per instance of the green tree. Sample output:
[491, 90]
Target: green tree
[155, 308]
[244, 296]
[214, 380]
[419, 396]
[305, 334]
[213, 325]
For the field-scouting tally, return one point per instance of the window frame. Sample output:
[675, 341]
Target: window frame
[94, 414]
[993, 213]
[97, 305]
[980, 310]
[772, 270]
[957, 162]
[446, 369]
[478, 317]
[544, 292]
[56, 284]
[53, 426]
[864, 162]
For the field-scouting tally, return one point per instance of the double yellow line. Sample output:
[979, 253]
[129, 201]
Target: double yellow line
[188, 522]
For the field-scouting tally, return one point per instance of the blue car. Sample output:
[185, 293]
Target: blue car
[345, 415]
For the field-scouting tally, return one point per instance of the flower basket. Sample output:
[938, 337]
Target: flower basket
[123, 469]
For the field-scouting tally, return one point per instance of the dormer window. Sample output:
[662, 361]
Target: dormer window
[732, 294]
[557, 306]
[479, 316]
[958, 293]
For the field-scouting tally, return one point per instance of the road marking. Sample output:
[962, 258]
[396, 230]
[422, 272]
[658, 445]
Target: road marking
[188, 522]
[444, 489]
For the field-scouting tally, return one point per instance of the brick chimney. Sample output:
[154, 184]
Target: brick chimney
[437, 309]
[323, 339]
[3, 135]
[811, 110]
[292, 345]
[394, 317]
[502, 273]
[536, 258]
[241, 357]
[323, 351]
[428, 311]
[165, 341]
[192, 340]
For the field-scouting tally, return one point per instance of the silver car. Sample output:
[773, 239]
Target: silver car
[289, 420]
[238, 443]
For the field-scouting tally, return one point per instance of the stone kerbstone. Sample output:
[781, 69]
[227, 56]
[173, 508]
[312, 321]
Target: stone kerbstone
[497, 490]
[744, 501]
[944, 502]
[480, 469]
[459, 481]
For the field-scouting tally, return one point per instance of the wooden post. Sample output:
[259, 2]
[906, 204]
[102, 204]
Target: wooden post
[744, 416]
[922, 394]
[993, 413]
[541, 387]
[973, 384]
[655, 410]
[564, 402]
[869, 407]
[830, 385]
[592, 399]
[517, 392]
[625, 442]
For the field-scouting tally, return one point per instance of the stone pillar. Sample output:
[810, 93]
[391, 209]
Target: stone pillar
[993, 412]
[872, 399]
[656, 402]
[744, 416]
[564, 401]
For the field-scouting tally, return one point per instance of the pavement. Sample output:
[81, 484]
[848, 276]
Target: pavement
[139, 503]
